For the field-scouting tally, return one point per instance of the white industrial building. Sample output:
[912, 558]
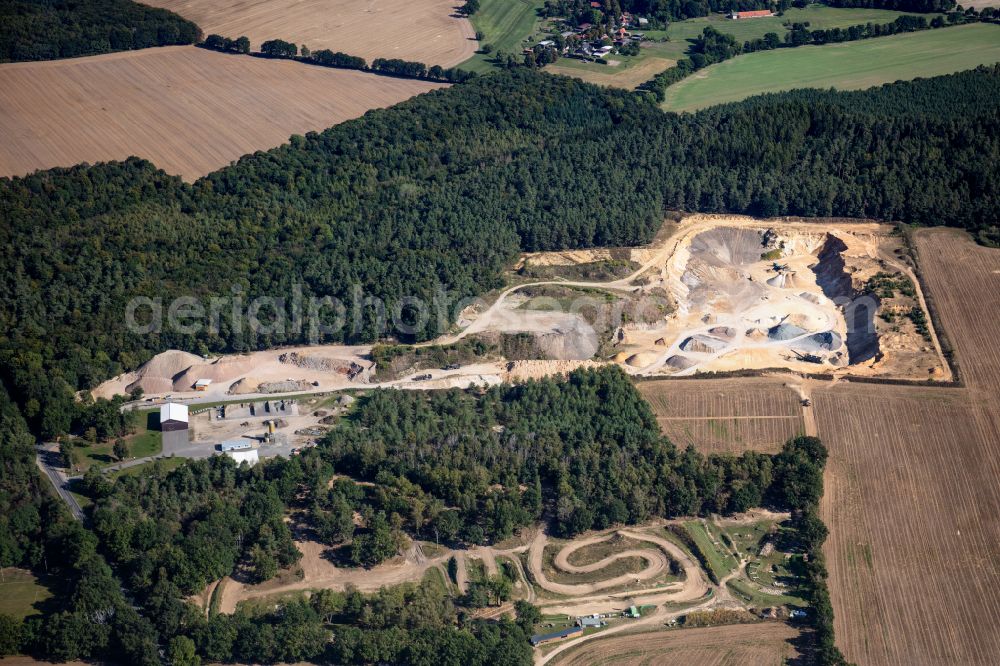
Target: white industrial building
[173, 416]
[246, 456]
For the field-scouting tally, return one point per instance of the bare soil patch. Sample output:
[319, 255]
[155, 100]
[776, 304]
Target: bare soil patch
[188, 110]
[759, 644]
[726, 416]
[963, 284]
[911, 501]
[428, 31]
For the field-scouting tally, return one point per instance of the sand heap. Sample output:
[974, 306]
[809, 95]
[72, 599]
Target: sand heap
[818, 342]
[702, 344]
[157, 375]
[223, 369]
[251, 384]
[642, 359]
[321, 363]
[678, 362]
[785, 331]
[574, 341]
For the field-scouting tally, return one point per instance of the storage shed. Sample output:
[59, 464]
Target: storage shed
[173, 416]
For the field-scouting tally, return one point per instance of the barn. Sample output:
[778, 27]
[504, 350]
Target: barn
[173, 416]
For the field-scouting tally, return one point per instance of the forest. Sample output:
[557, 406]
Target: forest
[416, 201]
[458, 467]
[52, 29]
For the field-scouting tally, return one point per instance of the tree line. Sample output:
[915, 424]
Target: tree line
[34, 30]
[663, 12]
[278, 48]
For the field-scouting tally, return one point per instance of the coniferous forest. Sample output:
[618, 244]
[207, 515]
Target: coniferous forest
[53, 29]
[436, 195]
[440, 193]
[456, 467]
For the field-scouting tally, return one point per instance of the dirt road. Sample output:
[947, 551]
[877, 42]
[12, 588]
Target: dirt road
[693, 587]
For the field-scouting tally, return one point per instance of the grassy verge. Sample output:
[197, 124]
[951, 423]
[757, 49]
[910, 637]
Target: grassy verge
[718, 557]
[847, 66]
[747, 593]
[147, 440]
[166, 465]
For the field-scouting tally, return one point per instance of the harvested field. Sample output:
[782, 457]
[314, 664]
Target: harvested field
[726, 416]
[188, 110]
[424, 30]
[963, 283]
[911, 502]
[757, 644]
[617, 76]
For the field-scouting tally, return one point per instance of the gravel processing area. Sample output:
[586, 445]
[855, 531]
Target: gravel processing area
[712, 294]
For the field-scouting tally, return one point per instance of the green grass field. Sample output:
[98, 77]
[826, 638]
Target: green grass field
[760, 599]
[847, 66]
[505, 24]
[20, 592]
[657, 55]
[719, 558]
[819, 17]
[166, 464]
[146, 441]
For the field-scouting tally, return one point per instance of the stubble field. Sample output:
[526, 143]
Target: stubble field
[188, 110]
[911, 500]
[759, 644]
[725, 415]
[963, 282]
[427, 31]
[913, 486]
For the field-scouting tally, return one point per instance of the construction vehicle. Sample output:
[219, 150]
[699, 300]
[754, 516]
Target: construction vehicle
[808, 358]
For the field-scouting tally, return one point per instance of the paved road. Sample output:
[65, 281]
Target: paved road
[47, 458]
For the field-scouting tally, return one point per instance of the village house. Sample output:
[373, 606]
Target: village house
[756, 13]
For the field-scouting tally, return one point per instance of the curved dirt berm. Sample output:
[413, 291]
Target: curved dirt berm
[658, 561]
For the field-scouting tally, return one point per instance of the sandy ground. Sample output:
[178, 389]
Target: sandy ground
[693, 587]
[188, 110]
[319, 572]
[729, 302]
[428, 31]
